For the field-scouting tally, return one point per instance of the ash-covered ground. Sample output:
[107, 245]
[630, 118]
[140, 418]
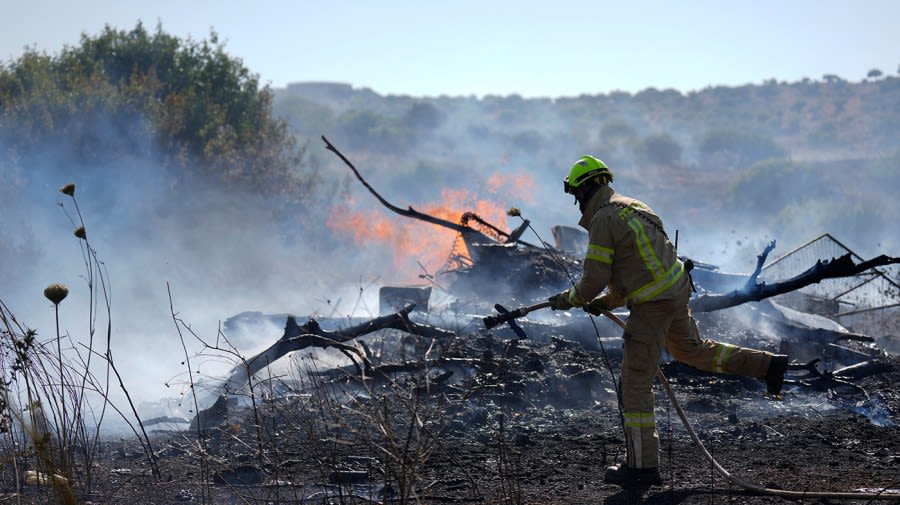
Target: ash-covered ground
[485, 417]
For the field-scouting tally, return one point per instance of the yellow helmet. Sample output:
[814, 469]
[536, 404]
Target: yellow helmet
[586, 168]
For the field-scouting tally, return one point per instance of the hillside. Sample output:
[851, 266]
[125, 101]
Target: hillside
[204, 197]
[811, 120]
[783, 161]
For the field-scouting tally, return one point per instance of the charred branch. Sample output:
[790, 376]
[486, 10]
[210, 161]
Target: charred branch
[755, 291]
[760, 261]
[468, 233]
[297, 337]
[841, 377]
[408, 212]
[311, 334]
[419, 366]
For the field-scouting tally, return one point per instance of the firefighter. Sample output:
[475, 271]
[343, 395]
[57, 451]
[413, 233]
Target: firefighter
[630, 255]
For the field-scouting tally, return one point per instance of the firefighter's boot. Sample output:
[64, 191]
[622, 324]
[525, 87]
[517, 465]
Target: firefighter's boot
[775, 375]
[625, 476]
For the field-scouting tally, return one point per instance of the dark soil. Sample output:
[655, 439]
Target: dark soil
[532, 425]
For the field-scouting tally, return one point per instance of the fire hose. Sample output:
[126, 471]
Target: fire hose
[491, 321]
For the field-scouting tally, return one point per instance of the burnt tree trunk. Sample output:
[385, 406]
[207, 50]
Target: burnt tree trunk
[297, 337]
[310, 334]
[755, 291]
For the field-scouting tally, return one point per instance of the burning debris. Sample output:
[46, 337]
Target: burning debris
[490, 257]
[424, 372]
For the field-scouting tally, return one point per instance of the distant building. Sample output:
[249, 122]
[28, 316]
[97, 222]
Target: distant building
[321, 89]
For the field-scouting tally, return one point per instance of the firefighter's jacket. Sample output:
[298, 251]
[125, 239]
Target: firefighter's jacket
[629, 252]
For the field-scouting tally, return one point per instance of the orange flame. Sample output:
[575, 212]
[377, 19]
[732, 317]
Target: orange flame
[413, 243]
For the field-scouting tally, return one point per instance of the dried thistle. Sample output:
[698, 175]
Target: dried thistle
[56, 293]
[513, 211]
[80, 233]
[68, 189]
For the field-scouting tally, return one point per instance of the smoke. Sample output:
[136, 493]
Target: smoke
[222, 252]
[167, 246]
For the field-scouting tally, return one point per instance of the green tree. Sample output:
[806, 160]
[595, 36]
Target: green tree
[364, 129]
[204, 110]
[660, 149]
[358, 127]
[423, 116]
[305, 116]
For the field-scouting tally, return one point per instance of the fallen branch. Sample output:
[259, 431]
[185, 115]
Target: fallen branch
[755, 291]
[297, 337]
[469, 234]
[311, 334]
[408, 212]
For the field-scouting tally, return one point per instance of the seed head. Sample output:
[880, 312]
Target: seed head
[80, 233]
[68, 189]
[513, 211]
[56, 293]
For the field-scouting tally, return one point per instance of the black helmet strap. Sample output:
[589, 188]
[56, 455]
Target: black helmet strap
[584, 192]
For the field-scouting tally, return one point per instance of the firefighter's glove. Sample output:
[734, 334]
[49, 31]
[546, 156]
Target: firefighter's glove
[560, 301]
[597, 306]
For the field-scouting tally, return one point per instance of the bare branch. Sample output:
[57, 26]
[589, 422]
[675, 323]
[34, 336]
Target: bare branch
[754, 292]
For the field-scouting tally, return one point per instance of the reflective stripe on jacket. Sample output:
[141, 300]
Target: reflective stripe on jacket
[628, 251]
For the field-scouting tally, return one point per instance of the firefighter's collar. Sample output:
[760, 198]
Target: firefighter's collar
[601, 197]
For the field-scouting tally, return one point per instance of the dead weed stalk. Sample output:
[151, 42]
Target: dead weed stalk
[50, 389]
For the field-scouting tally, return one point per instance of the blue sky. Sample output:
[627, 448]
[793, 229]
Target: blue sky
[531, 48]
[419, 48]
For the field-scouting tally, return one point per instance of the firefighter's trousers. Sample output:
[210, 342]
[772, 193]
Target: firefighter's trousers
[650, 326]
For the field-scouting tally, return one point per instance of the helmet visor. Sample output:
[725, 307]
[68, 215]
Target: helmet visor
[569, 186]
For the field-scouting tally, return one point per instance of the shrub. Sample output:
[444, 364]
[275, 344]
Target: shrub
[737, 149]
[205, 112]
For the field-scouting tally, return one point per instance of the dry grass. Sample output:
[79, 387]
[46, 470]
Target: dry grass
[56, 392]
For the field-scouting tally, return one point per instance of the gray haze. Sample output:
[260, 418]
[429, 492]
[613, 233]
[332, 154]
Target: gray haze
[223, 253]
